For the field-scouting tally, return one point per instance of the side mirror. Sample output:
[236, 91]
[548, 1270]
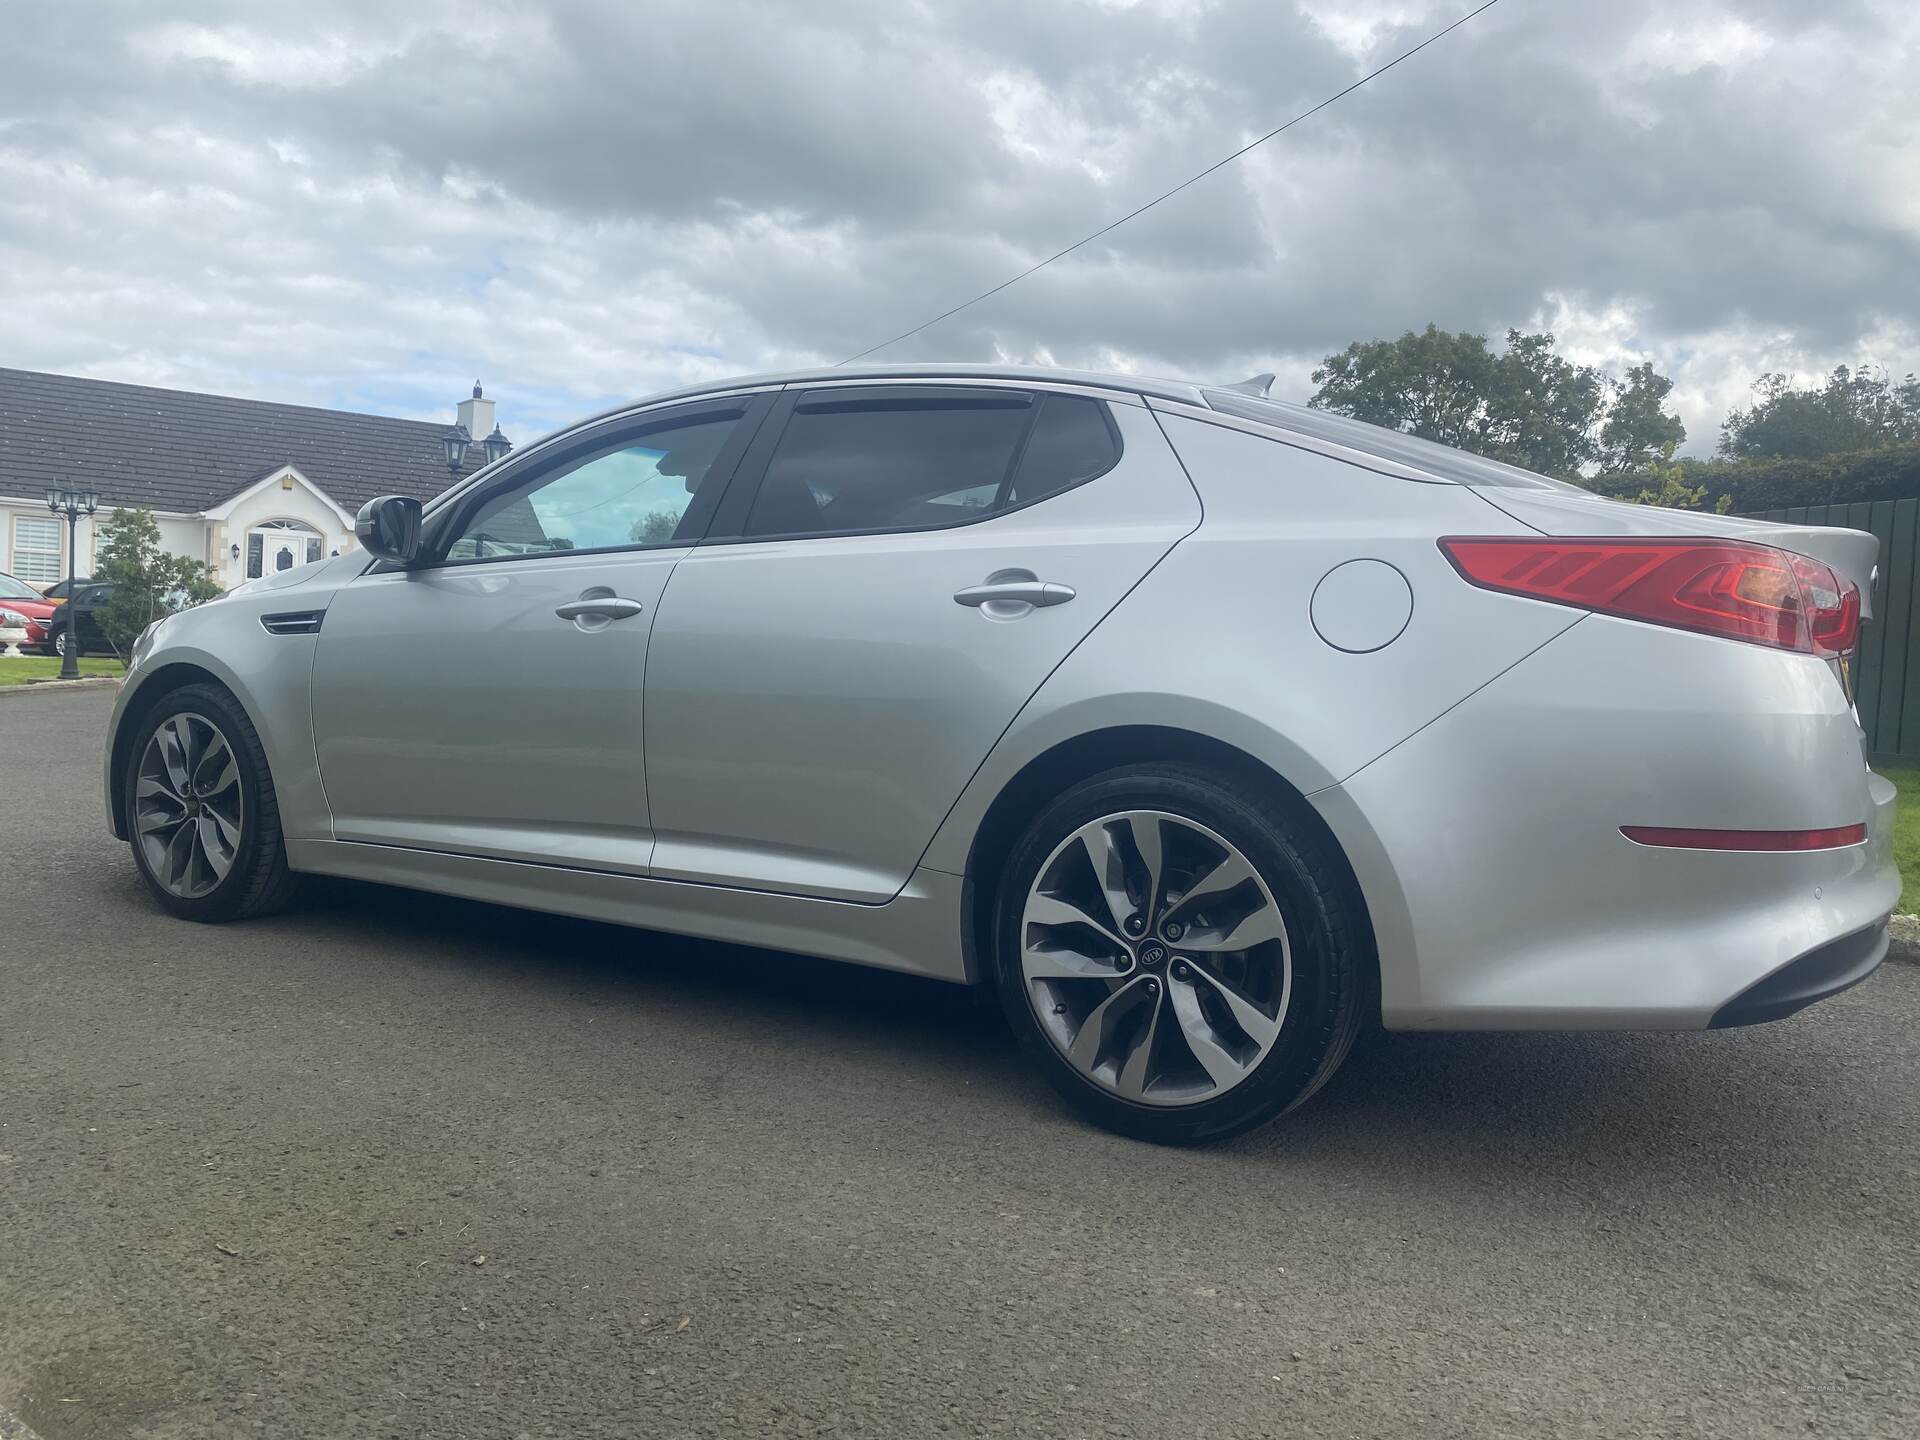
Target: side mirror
[390, 527]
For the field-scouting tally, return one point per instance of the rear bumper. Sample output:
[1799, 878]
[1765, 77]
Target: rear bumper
[1504, 896]
[1818, 975]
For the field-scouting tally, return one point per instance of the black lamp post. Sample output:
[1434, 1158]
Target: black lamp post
[72, 504]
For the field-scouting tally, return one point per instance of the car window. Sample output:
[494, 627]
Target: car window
[12, 589]
[1073, 441]
[631, 495]
[924, 461]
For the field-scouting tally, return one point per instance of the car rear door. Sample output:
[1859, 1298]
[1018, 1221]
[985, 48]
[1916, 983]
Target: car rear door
[894, 572]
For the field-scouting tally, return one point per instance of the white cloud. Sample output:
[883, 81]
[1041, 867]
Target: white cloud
[348, 202]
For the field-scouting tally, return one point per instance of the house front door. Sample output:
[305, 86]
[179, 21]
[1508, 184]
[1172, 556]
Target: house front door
[271, 549]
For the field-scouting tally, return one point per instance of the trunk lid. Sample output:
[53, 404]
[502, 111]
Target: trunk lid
[1852, 553]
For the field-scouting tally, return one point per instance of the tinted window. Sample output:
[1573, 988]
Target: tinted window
[904, 463]
[1073, 440]
[888, 464]
[637, 494]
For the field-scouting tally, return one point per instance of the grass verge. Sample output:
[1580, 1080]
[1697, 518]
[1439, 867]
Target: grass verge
[1906, 824]
[19, 669]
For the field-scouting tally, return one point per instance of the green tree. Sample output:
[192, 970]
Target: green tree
[656, 527]
[1853, 410]
[1639, 429]
[148, 582]
[1525, 404]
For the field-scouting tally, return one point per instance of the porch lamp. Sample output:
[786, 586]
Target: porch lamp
[455, 443]
[496, 445]
[72, 504]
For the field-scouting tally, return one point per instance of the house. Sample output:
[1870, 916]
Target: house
[247, 486]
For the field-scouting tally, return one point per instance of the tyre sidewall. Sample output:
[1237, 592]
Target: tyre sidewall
[1323, 981]
[224, 900]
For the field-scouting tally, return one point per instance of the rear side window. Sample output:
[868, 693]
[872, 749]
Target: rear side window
[1073, 441]
[925, 461]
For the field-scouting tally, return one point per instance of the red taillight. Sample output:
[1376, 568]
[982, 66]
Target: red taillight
[1717, 587]
[1833, 838]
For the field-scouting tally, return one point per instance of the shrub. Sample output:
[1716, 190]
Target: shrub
[148, 582]
[1892, 473]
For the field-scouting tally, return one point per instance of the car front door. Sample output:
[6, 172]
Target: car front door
[487, 700]
[890, 578]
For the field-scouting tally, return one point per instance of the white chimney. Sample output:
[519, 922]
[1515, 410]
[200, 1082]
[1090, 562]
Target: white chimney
[476, 415]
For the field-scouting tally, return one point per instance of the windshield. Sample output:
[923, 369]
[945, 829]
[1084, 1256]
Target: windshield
[12, 589]
[1443, 460]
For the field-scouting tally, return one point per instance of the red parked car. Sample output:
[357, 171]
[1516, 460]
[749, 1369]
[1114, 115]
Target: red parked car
[25, 601]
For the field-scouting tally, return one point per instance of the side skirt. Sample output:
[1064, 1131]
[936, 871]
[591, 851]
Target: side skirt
[918, 931]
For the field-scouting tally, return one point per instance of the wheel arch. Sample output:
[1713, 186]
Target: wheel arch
[1082, 756]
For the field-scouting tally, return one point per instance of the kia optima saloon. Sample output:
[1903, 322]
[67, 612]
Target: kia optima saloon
[1203, 728]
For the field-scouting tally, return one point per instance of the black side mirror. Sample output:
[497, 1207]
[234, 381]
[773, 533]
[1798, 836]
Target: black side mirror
[390, 527]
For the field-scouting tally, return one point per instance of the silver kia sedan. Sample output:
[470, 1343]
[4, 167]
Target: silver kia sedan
[1203, 728]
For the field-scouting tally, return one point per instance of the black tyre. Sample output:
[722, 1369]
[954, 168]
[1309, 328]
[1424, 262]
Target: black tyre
[202, 818]
[1182, 957]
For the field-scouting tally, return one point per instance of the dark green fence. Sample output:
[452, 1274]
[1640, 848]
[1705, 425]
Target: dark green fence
[1887, 684]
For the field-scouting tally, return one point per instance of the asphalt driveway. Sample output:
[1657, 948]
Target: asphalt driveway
[396, 1165]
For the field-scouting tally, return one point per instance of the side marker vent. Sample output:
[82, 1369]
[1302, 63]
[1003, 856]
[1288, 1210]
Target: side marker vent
[293, 622]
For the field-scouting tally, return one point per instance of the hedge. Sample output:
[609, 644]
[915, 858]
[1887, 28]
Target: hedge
[1845, 479]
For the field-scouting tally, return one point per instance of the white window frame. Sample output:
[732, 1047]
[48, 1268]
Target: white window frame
[59, 551]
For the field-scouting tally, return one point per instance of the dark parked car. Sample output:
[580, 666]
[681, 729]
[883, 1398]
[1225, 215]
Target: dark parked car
[79, 616]
[64, 588]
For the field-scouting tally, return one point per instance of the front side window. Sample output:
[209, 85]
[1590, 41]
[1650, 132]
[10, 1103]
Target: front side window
[925, 461]
[635, 495]
[36, 548]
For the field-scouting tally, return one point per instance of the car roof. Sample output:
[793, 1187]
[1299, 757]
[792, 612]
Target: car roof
[1181, 390]
[1238, 405]
[1244, 402]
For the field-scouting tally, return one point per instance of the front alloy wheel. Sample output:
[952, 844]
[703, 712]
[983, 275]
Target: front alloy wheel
[201, 813]
[189, 811]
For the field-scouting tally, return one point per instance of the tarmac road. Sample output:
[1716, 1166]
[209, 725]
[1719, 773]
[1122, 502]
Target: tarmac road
[394, 1165]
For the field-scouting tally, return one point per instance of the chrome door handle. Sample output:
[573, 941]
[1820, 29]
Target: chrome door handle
[609, 607]
[1015, 592]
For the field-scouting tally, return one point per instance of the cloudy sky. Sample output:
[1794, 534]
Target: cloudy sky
[367, 204]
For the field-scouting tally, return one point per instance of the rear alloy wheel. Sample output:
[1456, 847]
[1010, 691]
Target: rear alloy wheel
[202, 816]
[1183, 962]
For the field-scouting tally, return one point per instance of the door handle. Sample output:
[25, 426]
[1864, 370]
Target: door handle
[1014, 592]
[606, 607]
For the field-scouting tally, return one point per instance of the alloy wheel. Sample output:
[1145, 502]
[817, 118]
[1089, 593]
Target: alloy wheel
[188, 807]
[1155, 958]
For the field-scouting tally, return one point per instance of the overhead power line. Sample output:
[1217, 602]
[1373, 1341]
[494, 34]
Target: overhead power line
[1190, 180]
